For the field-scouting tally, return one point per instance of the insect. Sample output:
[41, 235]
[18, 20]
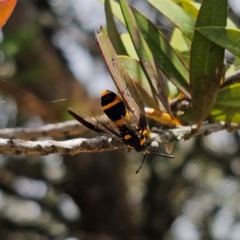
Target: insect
[128, 126]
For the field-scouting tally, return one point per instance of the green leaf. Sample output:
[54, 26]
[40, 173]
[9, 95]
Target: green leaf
[176, 15]
[112, 30]
[190, 7]
[142, 49]
[126, 39]
[136, 73]
[167, 59]
[119, 75]
[182, 45]
[236, 64]
[206, 60]
[227, 38]
[178, 42]
[226, 114]
[229, 96]
[134, 69]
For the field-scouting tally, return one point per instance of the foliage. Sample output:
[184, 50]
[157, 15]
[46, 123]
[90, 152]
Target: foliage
[200, 79]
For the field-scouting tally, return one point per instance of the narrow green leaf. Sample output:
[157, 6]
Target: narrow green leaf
[236, 64]
[226, 113]
[191, 8]
[142, 49]
[206, 59]
[178, 42]
[126, 39]
[112, 29]
[136, 73]
[227, 38]
[182, 46]
[119, 75]
[176, 15]
[167, 59]
[134, 69]
[230, 23]
[229, 96]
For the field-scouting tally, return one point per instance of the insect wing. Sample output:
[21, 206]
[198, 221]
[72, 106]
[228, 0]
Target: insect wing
[142, 121]
[105, 124]
[83, 121]
[97, 122]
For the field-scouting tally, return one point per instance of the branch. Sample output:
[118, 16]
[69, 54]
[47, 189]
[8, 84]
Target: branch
[56, 131]
[102, 143]
[46, 147]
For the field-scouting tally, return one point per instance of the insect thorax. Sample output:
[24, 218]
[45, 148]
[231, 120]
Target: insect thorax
[134, 139]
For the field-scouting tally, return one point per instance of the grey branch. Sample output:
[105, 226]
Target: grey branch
[46, 147]
[56, 131]
[102, 143]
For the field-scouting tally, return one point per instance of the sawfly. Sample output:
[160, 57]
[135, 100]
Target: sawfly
[131, 129]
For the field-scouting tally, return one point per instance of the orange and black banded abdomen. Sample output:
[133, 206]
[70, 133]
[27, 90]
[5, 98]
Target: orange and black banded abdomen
[113, 107]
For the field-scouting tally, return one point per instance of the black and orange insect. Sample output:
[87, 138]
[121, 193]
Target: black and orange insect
[128, 125]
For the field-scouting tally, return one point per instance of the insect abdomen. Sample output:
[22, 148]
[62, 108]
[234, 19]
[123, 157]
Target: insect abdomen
[113, 107]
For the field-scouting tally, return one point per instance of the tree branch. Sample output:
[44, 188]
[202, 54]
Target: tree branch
[102, 143]
[56, 131]
[46, 147]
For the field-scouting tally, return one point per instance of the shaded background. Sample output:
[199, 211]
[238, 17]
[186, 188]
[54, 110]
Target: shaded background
[49, 61]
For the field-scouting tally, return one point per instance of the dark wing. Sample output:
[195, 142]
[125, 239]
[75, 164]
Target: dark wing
[97, 124]
[105, 124]
[83, 122]
[142, 121]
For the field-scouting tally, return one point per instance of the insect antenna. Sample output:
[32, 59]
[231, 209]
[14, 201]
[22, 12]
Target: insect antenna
[141, 164]
[162, 154]
[159, 154]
